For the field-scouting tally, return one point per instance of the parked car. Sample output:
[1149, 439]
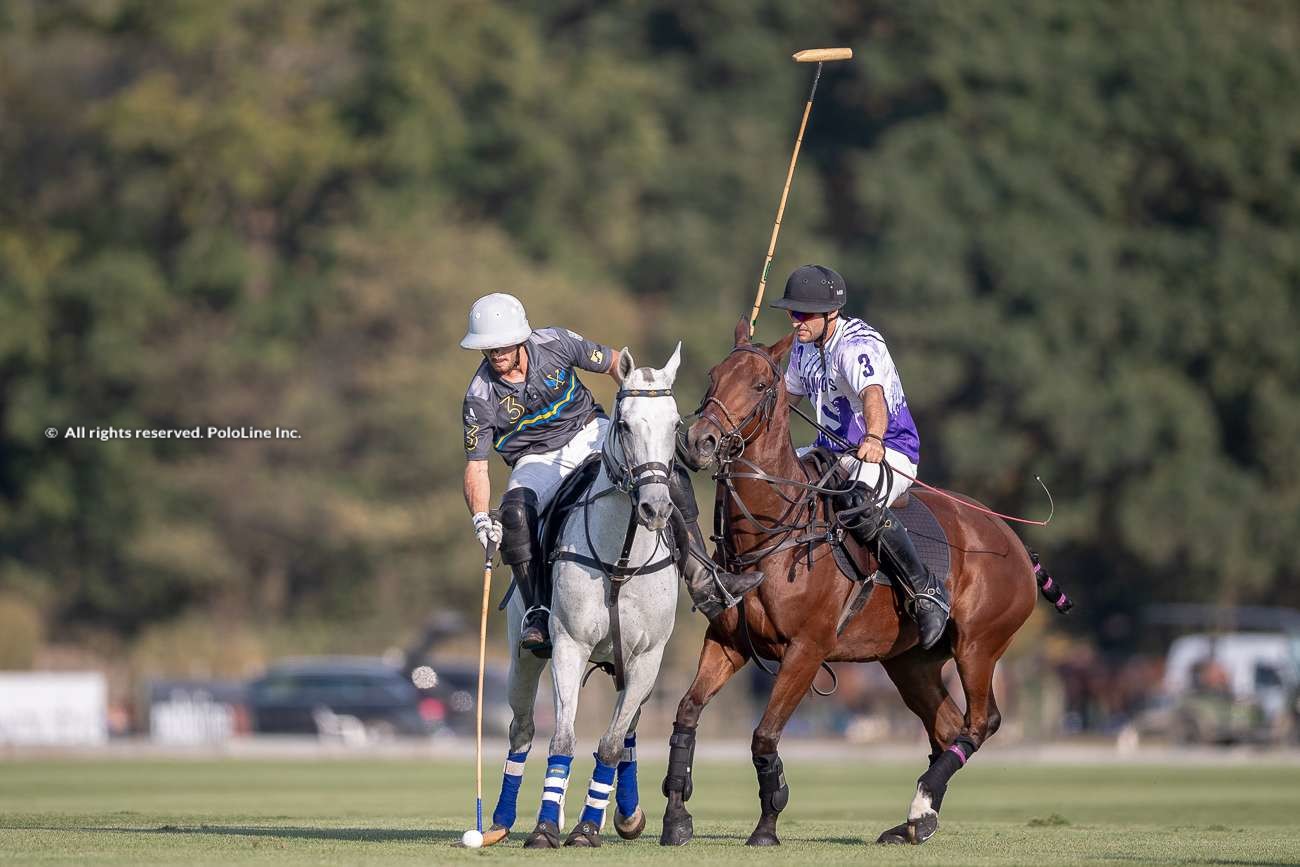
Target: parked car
[352, 697]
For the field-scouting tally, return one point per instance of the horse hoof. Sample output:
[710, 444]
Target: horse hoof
[763, 838]
[585, 835]
[922, 829]
[895, 835]
[677, 831]
[495, 835]
[630, 827]
[545, 836]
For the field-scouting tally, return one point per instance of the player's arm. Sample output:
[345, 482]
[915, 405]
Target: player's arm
[614, 356]
[876, 416]
[478, 487]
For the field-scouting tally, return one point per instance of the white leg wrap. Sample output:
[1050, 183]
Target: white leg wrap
[920, 806]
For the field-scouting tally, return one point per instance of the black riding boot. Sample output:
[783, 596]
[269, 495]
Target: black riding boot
[926, 597]
[520, 549]
[712, 588]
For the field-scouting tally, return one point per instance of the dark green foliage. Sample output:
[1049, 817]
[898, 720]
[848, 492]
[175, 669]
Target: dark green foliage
[1076, 223]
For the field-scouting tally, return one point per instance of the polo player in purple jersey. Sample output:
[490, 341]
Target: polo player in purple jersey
[844, 366]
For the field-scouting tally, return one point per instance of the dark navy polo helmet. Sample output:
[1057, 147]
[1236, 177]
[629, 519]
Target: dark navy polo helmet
[813, 289]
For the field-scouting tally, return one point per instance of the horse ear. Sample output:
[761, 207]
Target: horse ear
[779, 349]
[670, 369]
[742, 332]
[625, 363]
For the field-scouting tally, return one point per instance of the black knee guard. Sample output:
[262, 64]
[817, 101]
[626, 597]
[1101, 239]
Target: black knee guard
[773, 793]
[681, 756]
[519, 542]
[683, 495]
[861, 523]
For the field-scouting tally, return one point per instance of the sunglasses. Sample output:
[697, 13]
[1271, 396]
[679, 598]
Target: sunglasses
[800, 316]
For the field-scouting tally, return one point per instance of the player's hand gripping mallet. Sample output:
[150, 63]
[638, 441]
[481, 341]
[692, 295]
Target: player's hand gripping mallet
[474, 839]
[810, 55]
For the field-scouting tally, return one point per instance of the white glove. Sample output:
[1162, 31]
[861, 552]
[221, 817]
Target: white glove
[486, 529]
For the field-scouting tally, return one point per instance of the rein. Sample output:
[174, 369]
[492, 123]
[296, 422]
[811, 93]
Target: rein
[628, 480]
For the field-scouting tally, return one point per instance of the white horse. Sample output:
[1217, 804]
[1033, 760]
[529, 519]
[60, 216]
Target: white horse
[615, 544]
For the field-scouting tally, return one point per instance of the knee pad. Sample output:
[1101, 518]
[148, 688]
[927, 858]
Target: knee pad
[683, 494]
[519, 519]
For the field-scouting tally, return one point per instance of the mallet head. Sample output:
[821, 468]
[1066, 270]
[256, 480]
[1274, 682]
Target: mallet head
[822, 55]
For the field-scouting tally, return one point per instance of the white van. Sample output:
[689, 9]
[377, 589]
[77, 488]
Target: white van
[1261, 669]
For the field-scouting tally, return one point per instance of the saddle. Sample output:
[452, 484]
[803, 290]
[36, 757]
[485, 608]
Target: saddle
[855, 560]
[858, 563]
[571, 491]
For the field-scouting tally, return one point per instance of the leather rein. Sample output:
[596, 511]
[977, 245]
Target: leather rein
[628, 480]
[790, 529]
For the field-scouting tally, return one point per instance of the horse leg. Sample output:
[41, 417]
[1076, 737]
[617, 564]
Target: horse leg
[975, 665]
[525, 672]
[567, 661]
[918, 674]
[799, 666]
[629, 818]
[718, 662]
[642, 671]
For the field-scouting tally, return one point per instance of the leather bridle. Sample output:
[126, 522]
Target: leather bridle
[732, 441]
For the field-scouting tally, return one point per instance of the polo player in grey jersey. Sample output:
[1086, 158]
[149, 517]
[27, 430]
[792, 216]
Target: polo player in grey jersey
[526, 402]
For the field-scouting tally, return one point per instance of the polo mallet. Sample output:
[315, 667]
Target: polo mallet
[810, 55]
[474, 839]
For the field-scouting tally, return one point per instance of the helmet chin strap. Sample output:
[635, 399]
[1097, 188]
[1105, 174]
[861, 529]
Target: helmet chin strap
[820, 342]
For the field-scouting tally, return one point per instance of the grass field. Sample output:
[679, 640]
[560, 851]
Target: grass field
[391, 812]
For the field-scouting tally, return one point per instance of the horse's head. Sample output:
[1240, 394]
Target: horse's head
[745, 391]
[645, 435]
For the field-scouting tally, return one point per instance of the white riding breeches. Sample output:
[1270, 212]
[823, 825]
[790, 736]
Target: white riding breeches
[543, 473]
[869, 474]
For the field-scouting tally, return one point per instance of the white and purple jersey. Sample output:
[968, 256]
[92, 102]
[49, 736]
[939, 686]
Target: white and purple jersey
[857, 357]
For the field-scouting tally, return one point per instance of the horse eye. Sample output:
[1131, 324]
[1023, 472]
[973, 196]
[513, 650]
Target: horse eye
[762, 386]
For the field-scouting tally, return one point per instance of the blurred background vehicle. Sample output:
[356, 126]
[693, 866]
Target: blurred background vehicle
[302, 696]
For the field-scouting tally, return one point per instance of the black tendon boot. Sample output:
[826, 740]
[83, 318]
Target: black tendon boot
[712, 588]
[520, 549]
[926, 597]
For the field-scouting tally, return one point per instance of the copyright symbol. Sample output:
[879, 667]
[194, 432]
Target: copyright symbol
[51, 433]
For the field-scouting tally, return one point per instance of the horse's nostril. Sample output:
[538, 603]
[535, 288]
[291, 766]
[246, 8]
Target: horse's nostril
[646, 512]
[708, 444]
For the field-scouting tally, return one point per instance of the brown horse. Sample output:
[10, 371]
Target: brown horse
[793, 615]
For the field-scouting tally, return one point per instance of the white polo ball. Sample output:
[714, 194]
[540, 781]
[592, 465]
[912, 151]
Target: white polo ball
[472, 839]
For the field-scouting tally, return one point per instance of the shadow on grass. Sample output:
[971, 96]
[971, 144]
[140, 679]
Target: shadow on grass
[358, 835]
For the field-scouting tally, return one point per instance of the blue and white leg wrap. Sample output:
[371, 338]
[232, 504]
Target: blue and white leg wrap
[553, 788]
[626, 795]
[602, 783]
[504, 814]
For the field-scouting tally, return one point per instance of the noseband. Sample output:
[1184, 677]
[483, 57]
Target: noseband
[732, 443]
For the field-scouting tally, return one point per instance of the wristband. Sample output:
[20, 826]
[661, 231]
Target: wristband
[872, 436]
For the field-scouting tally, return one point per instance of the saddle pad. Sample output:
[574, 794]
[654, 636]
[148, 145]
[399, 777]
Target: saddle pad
[927, 535]
[571, 491]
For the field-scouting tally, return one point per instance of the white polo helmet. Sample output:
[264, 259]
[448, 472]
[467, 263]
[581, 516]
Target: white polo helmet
[496, 321]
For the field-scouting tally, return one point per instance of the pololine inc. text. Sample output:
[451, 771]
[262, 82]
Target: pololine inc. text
[198, 432]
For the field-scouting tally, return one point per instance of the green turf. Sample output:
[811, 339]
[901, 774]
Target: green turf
[413, 812]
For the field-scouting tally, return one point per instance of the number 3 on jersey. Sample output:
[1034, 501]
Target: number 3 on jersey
[865, 361]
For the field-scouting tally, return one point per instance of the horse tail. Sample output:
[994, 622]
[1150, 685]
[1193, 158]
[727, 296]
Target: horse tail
[1049, 586]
